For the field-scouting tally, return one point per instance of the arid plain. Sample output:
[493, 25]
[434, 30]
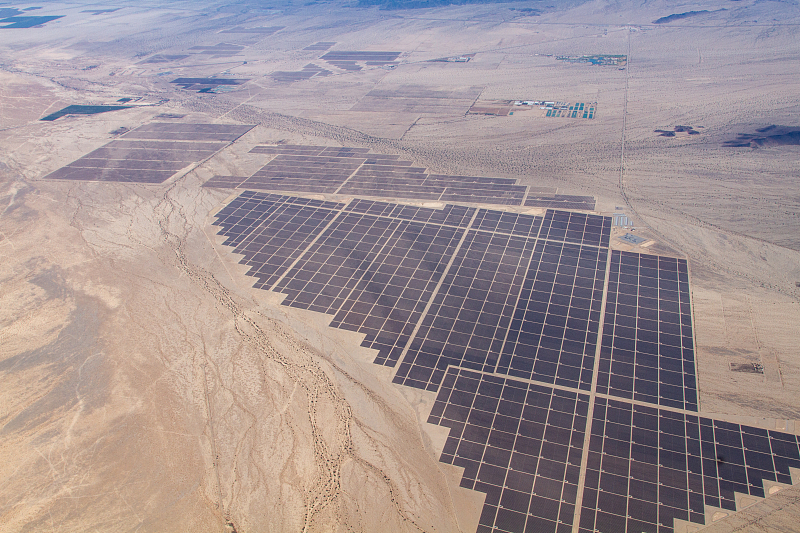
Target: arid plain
[146, 386]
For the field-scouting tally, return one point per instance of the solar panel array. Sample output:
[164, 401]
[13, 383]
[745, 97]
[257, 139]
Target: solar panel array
[321, 45]
[554, 332]
[518, 443]
[308, 72]
[648, 347]
[470, 315]
[648, 466]
[499, 313]
[561, 201]
[204, 85]
[152, 153]
[347, 60]
[355, 171]
[258, 30]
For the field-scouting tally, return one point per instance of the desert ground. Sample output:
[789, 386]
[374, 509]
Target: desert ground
[146, 386]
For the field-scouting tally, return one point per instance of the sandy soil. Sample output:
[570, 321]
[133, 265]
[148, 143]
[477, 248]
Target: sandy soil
[145, 386]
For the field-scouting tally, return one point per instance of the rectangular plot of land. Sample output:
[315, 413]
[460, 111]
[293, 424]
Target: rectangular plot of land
[208, 81]
[110, 174]
[411, 105]
[553, 336]
[183, 136]
[155, 159]
[504, 195]
[456, 181]
[113, 154]
[578, 228]
[296, 75]
[163, 58]
[470, 315]
[181, 146]
[86, 162]
[562, 201]
[421, 92]
[225, 182]
[179, 128]
[288, 149]
[518, 443]
[418, 99]
[360, 55]
[222, 47]
[395, 192]
[647, 352]
[325, 172]
[321, 45]
[188, 132]
[260, 30]
[630, 238]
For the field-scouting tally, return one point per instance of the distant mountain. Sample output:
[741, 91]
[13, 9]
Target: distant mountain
[678, 16]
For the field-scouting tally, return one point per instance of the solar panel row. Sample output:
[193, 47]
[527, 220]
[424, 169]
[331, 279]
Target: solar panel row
[578, 228]
[648, 349]
[648, 466]
[397, 178]
[152, 153]
[553, 335]
[451, 215]
[321, 45]
[518, 443]
[561, 201]
[468, 320]
[360, 55]
[354, 171]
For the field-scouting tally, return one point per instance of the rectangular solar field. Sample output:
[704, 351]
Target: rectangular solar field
[648, 351]
[152, 153]
[355, 171]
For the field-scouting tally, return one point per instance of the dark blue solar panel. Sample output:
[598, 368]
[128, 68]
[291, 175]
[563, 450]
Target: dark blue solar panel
[648, 349]
[577, 228]
[469, 316]
[648, 466]
[518, 443]
[553, 335]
